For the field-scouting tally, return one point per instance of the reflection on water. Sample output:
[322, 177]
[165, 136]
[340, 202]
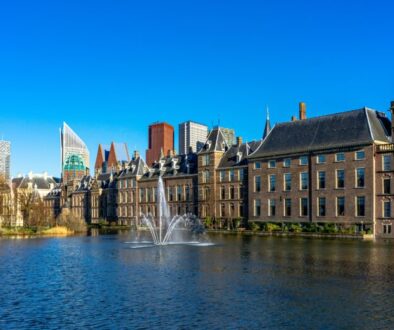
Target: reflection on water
[240, 282]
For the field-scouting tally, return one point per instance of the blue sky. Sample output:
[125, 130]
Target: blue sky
[110, 68]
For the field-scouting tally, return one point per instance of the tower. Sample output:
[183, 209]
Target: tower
[161, 137]
[267, 127]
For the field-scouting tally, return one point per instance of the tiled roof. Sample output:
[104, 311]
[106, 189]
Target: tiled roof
[216, 141]
[345, 129]
[136, 167]
[237, 154]
[173, 166]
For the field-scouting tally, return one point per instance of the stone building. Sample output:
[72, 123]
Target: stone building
[127, 188]
[179, 174]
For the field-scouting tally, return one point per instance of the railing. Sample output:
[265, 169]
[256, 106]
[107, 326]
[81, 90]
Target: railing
[386, 147]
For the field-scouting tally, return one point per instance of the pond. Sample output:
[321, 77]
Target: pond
[246, 282]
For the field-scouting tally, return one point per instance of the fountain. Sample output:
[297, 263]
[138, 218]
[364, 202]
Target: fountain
[164, 227]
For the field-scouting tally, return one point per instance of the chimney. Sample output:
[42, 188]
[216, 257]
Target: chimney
[302, 107]
[239, 140]
[136, 154]
[293, 118]
[392, 120]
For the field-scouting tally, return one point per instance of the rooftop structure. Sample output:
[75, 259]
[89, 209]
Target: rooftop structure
[74, 154]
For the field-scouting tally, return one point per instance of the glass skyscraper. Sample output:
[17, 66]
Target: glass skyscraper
[74, 154]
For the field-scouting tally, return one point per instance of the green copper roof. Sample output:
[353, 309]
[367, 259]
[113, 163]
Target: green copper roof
[74, 163]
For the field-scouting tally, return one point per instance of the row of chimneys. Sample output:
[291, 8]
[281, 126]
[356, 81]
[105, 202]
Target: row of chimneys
[301, 112]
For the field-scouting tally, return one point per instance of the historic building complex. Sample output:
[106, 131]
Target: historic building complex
[334, 169]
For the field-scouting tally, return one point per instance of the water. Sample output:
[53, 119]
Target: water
[239, 283]
[164, 229]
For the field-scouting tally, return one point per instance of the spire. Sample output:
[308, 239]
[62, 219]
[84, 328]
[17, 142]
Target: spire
[267, 127]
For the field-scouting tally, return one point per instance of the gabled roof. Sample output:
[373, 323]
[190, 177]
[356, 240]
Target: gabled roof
[237, 154]
[34, 181]
[173, 166]
[216, 141]
[136, 167]
[339, 130]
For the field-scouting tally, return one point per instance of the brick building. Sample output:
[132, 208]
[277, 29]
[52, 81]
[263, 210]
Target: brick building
[161, 142]
[335, 169]
[319, 170]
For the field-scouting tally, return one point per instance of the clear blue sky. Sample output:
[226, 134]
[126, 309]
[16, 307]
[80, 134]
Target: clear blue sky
[109, 68]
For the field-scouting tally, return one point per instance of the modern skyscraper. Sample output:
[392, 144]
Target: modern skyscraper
[161, 140]
[74, 154]
[229, 135]
[191, 135]
[5, 159]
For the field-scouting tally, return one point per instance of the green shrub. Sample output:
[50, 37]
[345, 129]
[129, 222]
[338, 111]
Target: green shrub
[295, 228]
[271, 227]
[254, 226]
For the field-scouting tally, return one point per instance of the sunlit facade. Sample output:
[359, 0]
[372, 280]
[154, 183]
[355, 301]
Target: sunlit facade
[74, 154]
[5, 156]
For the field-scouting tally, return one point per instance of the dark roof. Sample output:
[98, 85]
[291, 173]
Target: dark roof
[35, 181]
[237, 154]
[173, 166]
[136, 167]
[84, 184]
[216, 141]
[345, 129]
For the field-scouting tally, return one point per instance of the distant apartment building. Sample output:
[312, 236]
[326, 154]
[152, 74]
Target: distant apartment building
[229, 135]
[161, 142]
[74, 155]
[5, 159]
[192, 137]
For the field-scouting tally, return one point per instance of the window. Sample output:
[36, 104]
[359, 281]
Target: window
[321, 180]
[386, 163]
[241, 174]
[340, 182]
[360, 204]
[257, 165]
[340, 206]
[360, 178]
[272, 182]
[187, 193]
[360, 155]
[231, 175]
[205, 176]
[387, 209]
[287, 207]
[387, 228]
[287, 181]
[205, 160]
[322, 207]
[223, 193]
[321, 159]
[340, 157]
[303, 160]
[304, 178]
[222, 176]
[232, 192]
[271, 207]
[257, 183]
[387, 186]
[257, 207]
[287, 162]
[272, 164]
[232, 209]
[304, 207]
[241, 210]
[223, 210]
[179, 193]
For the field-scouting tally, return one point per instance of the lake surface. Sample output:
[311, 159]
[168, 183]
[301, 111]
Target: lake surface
[242, 282]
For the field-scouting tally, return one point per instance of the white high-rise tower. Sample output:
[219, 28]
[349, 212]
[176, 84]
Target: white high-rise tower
[191, 135]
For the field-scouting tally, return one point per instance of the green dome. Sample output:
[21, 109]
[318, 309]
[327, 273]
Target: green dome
[74, 163]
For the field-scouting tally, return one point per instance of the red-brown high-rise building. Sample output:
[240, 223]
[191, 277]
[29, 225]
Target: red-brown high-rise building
[161, 139]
